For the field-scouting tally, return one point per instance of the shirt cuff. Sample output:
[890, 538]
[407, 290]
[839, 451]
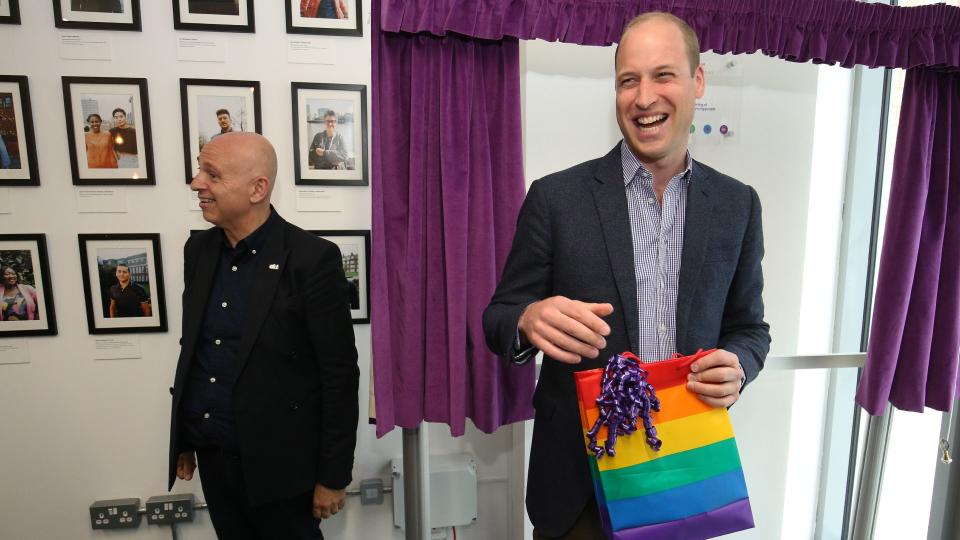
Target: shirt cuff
[518, 356]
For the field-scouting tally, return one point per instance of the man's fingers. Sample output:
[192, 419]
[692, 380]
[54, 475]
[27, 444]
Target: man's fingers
[600, 310]
[717, 375]
[580, 333]
[718, 402]
[713, 390]
[716, 358]
[584, 313]
[564, 342]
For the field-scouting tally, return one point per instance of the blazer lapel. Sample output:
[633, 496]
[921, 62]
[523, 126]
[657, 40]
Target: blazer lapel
[194, 304]
[611, 200]
[696, 234]
[270, 265]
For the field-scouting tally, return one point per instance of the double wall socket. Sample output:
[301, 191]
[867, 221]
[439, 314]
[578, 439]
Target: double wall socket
[167, 509]
[115, 514]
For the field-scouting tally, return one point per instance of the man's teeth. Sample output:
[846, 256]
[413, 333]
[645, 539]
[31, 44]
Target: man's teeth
[647, 120]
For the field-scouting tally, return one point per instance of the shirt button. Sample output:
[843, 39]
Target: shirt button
[253, 251]
[206, 415]
[662, 329]
[224, 304]
[234, 268]
[217, 341]
[650, 200]
[213, 379]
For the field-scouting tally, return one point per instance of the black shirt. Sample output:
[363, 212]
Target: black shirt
[127, 300]
[207, 405]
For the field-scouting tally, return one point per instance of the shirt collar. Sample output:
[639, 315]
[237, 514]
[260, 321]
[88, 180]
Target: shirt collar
[256, 239]
[632, 165]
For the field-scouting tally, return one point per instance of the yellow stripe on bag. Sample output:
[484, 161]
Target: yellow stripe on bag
[678, 436]
[677, 401]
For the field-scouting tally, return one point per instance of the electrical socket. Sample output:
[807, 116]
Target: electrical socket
[115, 514]
[167, 509]
[371, 491]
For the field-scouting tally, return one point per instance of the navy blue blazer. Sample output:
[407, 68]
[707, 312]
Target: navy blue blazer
[573, 240]
[296, 399]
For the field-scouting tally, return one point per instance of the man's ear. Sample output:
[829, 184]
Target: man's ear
[261, 189]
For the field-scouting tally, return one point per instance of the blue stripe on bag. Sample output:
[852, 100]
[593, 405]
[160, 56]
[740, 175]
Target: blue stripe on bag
[678, 503]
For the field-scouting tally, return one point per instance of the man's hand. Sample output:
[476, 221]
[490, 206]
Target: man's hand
[319, 151]
[327, 502]
[186, 464]
[715, 378]
[564, 329]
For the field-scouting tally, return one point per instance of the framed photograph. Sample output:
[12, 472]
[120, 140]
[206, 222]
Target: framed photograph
[214, 15]
[18, 157]
[330, 134]
[26, 298]
[108, 131]
[212, 107]
[123, 283]
[9, 12]
[329, 17]
[97, 14]
[355, 249]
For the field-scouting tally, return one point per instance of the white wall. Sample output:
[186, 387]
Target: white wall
[569, 117]
[75, 429]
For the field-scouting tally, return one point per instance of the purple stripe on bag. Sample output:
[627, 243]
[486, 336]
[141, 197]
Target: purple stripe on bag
[726, 519]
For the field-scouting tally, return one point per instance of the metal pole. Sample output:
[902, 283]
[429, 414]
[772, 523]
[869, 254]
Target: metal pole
[416, 483]
[871, 477]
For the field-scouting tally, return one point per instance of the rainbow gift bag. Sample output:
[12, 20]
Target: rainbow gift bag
[679, 476]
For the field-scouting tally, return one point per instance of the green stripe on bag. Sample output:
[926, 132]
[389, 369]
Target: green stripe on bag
[671, 471]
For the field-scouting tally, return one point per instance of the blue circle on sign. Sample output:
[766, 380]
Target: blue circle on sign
[707, 129]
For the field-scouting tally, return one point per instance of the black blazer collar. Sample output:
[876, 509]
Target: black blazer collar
[611, 201]
[270, 266]
[696, 235]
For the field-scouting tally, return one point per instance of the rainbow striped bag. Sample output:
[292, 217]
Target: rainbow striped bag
[680, 476]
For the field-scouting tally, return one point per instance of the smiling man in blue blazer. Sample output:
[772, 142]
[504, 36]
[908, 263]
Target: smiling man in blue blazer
[643, 250]
[265, 395]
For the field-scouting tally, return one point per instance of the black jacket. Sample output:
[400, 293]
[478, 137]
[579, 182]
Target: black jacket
[295, 402]
[573, 239]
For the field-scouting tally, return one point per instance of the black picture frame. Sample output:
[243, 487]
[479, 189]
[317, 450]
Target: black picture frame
[351, 25]
[12, 15]
[345, 100]
[27, 254]
[356, 266]
[97, 19]
[140, 252]
[17, 134]
[212, 21]
[237, 97]
[125, 169]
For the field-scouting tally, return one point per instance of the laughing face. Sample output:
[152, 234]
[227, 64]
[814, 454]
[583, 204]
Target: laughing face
[656, 93]
[223, 185]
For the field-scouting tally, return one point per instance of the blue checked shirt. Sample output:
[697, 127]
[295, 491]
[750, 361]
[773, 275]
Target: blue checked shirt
[657, 232]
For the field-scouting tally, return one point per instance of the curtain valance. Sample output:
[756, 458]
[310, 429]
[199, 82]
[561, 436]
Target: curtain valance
[841, 32]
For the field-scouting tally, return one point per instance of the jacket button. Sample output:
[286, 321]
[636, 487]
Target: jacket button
[171, 390]
[294, 405]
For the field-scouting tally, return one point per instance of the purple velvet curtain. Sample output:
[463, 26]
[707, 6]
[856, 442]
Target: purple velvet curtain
[448, 182]
[447, 187]
[832, 31]
[915, 336]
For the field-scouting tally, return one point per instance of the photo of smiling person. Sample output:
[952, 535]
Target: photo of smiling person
[99, 145]
[124, 140]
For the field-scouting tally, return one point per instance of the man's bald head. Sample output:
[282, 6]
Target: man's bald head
[234, 183]
[248, 154]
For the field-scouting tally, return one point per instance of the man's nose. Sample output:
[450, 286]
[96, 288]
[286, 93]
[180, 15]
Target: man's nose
[646, 94]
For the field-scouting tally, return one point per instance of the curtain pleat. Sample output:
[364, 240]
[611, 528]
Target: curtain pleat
[447, 187]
